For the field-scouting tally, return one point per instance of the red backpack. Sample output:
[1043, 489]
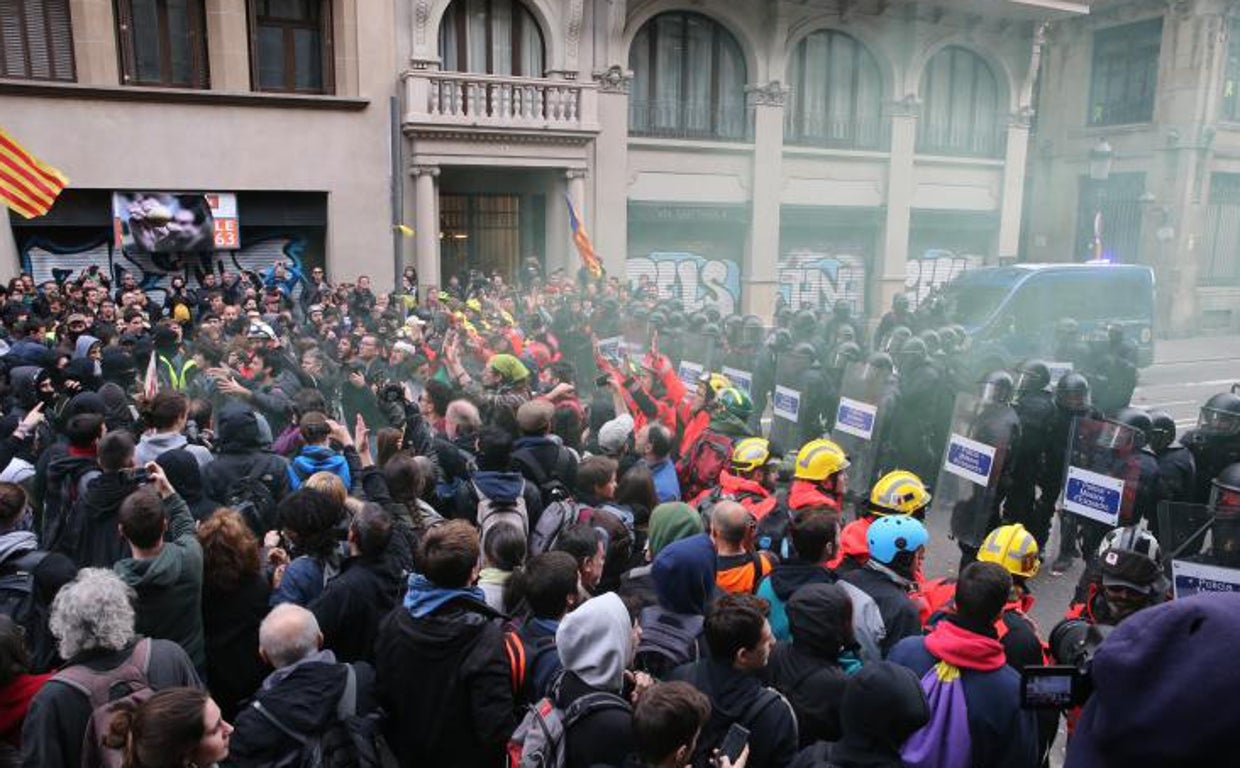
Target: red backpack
[699, 469]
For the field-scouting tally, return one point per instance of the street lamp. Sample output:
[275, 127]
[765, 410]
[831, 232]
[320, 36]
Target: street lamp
[1100, 159]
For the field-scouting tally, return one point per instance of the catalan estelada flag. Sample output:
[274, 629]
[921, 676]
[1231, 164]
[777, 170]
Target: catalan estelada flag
[585, 248]
[27, 184]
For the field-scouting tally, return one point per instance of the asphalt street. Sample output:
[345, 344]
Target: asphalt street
[1185, 373]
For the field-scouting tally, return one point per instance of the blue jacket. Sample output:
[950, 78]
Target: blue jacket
[317, 458]
[666, 484]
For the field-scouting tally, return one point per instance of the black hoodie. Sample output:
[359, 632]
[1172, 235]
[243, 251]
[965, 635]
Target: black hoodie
[807, 670]
[304, 698]
[91, 537]
[241, 454]
[739, 697]
[444, 681]
[883, 705]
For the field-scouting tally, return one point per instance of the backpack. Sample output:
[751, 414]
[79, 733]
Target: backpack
[492, 512]
[943, 742]
[352, 741]
[556, 517]
[19, 600]
[772, 532]
[701, 467]
[539, 740]
[253, 499]
[109, 691]
[668, 641]
[551, 488]
[716, 729]
[525, 662]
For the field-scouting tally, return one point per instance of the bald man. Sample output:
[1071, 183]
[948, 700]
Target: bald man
[307, 693]
[739, 567]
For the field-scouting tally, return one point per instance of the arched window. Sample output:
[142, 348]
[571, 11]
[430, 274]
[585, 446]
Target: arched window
[688, 79]
[491, 37]
[960, 106]
[837, 93]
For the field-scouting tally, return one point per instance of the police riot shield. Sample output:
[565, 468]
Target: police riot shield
[865, 397]
[788, 402]
[971, 475]
[699, 354]
[1201, 545]
[1101, 475]
[738, 365]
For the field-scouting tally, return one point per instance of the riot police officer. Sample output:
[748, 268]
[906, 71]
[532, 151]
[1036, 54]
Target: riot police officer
[1176, 465]
[1035, 406]
[995, 424]
[1149, 479]
[917, 406]
[1072, 401]
[898, 315]
[844, 354]
[1215, 441]
[841, 317]
[817, 393]
[1113, 372]
[1068, 345]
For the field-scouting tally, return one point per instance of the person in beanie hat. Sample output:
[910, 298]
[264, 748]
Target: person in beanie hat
[505, 385]
[1159, 682]
[669, 523]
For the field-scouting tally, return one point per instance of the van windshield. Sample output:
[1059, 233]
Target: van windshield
[970, 302]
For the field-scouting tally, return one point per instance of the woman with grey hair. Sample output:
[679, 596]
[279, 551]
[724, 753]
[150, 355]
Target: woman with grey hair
[92, 620]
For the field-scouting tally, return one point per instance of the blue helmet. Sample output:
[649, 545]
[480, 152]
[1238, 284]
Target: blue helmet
[891, 535]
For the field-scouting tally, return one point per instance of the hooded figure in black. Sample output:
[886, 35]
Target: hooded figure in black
[812, 670]
[243, 453]
[882, 706]
[185, 475]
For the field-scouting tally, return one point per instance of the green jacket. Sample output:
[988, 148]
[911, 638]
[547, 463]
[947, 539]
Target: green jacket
[169, 585]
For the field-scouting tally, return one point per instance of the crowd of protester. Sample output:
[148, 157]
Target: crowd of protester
[272, 521]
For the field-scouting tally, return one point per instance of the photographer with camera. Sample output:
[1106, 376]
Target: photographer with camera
[1129, 576]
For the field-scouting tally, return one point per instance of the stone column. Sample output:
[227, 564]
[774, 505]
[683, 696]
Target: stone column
[760, 274]
[561, 254]
[94, 42]
[228, 45]
[1013, 193]
[10, 261]
[611, 161]
[426, 234]
[893, 267]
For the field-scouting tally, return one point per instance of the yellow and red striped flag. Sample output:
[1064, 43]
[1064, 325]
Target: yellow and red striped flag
[585, 248]
[27, 184]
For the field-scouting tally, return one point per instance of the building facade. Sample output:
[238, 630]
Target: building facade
[1135, 154]
[728, 151]
[283, 106]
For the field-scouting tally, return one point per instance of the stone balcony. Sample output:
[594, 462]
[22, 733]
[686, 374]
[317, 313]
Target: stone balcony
[462, 102]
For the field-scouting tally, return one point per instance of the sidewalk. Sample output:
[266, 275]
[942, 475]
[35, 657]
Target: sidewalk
[1196, 349]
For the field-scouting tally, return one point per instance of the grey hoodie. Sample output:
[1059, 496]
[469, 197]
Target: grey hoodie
[595, 640]
[84, 343]
[155, 444]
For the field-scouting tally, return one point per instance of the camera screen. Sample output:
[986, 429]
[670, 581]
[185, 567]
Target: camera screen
[1048, 687]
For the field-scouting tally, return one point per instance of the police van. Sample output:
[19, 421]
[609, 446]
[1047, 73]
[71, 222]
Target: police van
[1010, 312]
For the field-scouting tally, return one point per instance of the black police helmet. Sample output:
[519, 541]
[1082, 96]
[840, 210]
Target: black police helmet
[1032, 376]
[1072, 392]
[1162, 430]
[1139, 419]
[997, 387]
